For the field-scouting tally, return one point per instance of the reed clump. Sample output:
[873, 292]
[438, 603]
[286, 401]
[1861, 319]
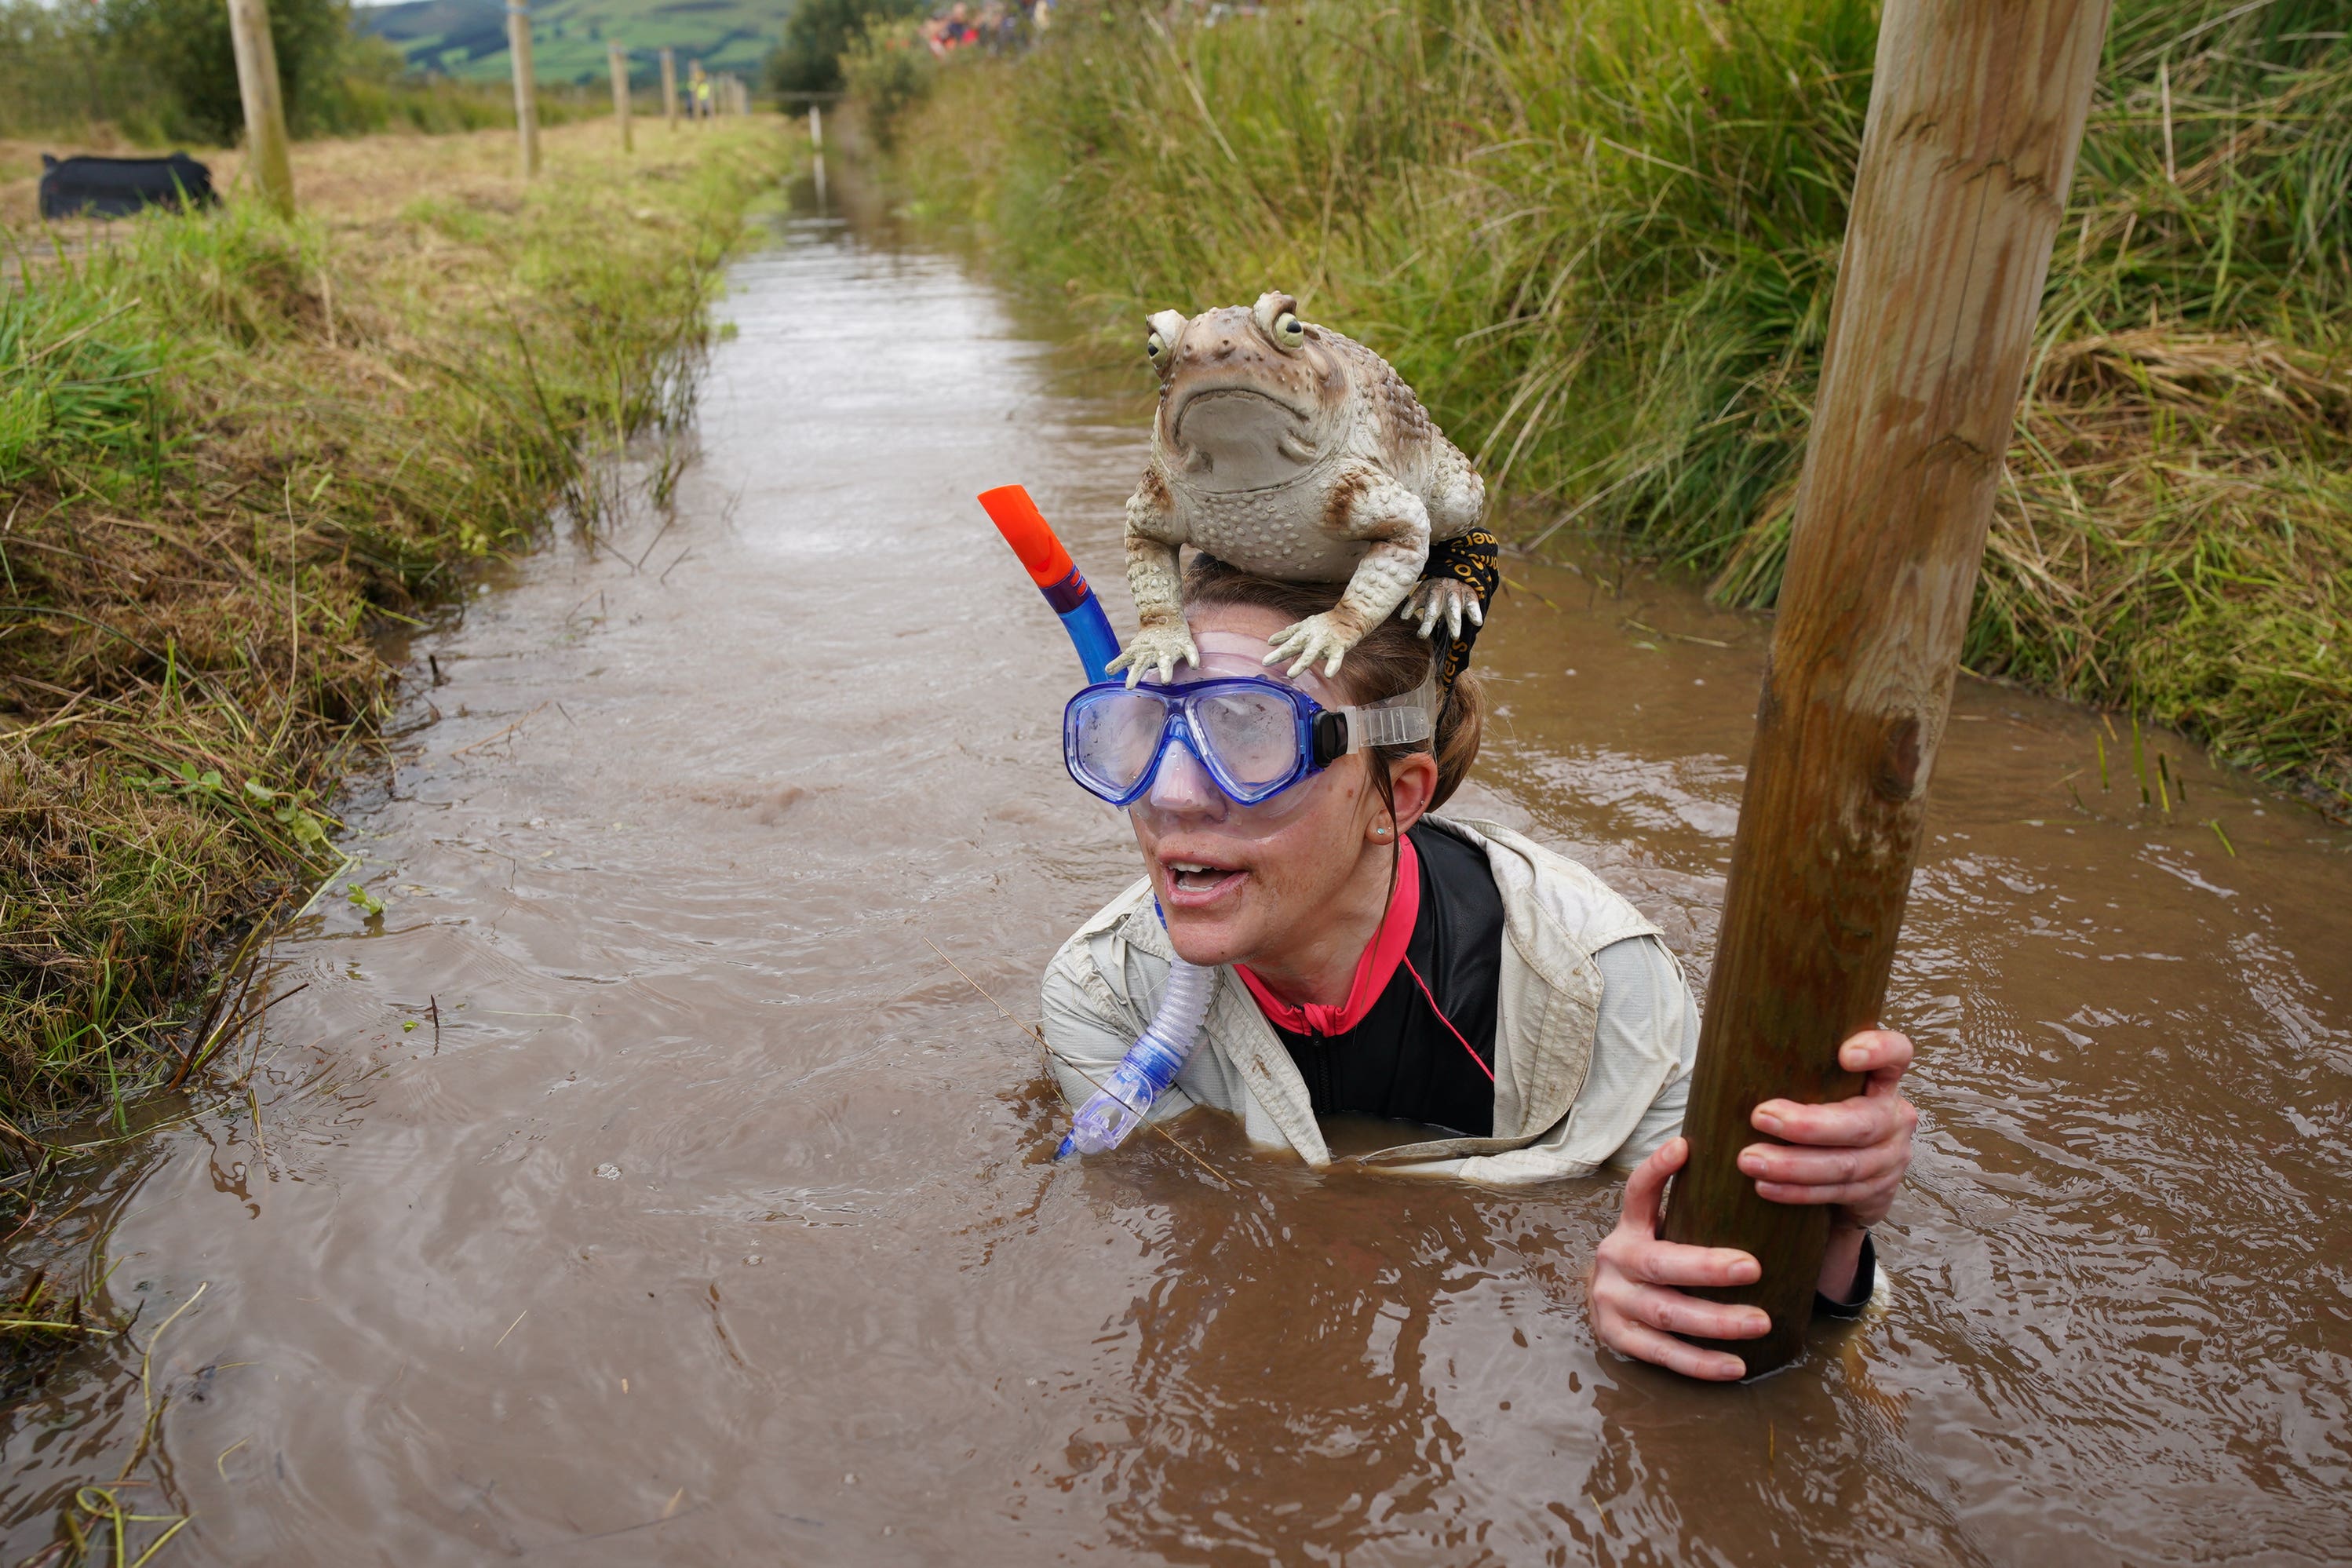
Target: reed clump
[1600, 237]
[234, 453]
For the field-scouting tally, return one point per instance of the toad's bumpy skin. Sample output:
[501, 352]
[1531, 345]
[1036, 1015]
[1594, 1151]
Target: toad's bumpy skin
[1288, 450]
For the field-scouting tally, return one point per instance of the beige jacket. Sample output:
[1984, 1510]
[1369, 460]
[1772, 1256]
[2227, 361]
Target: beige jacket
[1594, 1029]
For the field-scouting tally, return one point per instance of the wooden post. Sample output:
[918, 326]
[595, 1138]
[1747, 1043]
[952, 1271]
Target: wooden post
[526, 85]
[816, 130]
[1976, 113]
[616, 60]
[670, 88]
[265, 104]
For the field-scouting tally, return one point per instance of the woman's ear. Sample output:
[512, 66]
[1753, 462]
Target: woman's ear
[1412, 780]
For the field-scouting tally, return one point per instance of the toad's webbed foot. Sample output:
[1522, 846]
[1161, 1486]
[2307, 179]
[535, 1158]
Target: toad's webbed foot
[1327, 637]
[1443, 598]
[1157, 648]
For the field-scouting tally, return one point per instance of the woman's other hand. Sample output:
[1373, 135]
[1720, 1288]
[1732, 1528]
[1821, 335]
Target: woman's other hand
[1851, 1155]
[1635, 1291]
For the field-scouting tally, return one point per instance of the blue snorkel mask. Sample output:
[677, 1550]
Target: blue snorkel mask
[1254, 735]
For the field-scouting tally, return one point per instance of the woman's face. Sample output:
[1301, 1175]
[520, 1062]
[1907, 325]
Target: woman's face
[1239, 883]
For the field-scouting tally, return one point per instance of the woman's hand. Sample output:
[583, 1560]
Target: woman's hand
[1851, 1155]
[1637, 1309]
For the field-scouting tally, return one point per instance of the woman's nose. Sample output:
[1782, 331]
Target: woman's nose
[1180, 785]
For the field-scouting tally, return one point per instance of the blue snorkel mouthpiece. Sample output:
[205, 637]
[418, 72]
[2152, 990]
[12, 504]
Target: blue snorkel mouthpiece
[1150, 1068]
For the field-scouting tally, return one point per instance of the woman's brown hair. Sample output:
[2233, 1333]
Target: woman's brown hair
[1391, 661]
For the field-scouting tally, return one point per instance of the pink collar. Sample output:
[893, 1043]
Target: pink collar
[1374, 970]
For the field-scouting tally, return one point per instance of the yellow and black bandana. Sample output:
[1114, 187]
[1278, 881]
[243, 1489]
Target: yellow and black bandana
[1470, 558]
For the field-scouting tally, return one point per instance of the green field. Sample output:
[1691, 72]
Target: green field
[467, 38]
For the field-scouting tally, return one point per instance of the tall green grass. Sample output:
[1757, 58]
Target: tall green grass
[1599, 236]
[232, 450]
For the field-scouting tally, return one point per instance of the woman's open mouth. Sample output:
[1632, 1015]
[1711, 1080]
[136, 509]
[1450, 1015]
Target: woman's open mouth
[1191, 883]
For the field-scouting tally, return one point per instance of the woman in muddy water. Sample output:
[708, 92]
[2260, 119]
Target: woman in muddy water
[1386, 963]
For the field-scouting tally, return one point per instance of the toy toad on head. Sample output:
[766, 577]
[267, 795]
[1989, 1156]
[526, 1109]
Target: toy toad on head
[1290, 451]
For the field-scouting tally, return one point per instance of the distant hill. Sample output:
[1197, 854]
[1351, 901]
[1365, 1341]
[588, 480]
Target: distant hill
[467, 38]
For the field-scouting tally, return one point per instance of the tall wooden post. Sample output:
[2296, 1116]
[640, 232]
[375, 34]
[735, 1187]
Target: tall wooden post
[1975, 113]
[670, 88]
[616, 60]
[265, 104]
[816, 130]
[526, 85]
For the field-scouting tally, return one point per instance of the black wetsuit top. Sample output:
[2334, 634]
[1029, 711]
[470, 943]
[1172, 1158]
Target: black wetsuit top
[1401, 1063]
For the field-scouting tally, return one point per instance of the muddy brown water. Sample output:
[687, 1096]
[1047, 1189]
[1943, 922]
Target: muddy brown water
[712, 1222]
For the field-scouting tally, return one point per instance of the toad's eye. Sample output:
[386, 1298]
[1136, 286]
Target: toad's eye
[1289, 331]
[1155, 347]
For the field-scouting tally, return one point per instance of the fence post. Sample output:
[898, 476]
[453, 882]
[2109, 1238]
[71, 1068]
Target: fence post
[526, 86]
[616, 60]
[265, 106]
[1975, 113]
[816, 130]
[670, 88]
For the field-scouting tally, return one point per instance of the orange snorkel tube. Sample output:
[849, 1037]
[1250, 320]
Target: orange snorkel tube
[1056, 576]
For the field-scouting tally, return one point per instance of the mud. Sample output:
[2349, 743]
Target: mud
[639, 1187]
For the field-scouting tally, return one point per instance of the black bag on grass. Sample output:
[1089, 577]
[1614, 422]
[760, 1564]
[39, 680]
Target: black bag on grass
[114, 187]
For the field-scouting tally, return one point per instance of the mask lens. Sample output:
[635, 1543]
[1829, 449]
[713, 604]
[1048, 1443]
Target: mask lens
[1254, 734]
[1113, 737]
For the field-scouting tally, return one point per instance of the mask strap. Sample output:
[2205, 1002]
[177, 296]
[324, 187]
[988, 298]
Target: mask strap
[1399, 720]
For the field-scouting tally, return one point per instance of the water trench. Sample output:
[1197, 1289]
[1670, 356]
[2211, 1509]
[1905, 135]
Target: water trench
[640, 1186]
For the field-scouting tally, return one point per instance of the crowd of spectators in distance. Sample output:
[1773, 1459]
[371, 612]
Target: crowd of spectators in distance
[998, 28]
[1005, 26]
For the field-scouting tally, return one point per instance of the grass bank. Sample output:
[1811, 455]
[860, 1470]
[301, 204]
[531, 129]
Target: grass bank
[233, 452]
[1599, 236]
